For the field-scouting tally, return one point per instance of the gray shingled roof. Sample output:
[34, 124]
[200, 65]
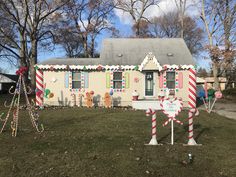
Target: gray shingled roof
[132, 51]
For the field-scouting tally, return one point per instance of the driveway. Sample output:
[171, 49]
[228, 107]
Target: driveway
[224, 108]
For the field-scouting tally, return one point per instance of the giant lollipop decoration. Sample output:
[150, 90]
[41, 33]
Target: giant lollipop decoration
[211, 95]
[217, 95]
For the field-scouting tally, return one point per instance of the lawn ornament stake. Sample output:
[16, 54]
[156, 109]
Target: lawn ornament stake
[192, 105]
[152, 112]
[212, 95]
[15, 105]
[40, 88]
[172, 108]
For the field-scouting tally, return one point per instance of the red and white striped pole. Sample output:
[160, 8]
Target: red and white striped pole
[192, 105]
[39, 87]
[152, 112]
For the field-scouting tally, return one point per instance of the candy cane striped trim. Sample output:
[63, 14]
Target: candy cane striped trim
[192, 88]
[152, 112]
[192, 112]
[39, 87]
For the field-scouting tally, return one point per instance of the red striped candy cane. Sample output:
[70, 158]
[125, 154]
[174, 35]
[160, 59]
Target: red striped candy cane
[152, 112]
[192, 104]
[174, 119]
[39, 87]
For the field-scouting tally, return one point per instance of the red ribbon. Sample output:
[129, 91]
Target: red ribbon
[22, 70]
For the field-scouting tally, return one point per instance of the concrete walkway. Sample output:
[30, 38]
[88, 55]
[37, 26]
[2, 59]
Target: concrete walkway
[224, 109]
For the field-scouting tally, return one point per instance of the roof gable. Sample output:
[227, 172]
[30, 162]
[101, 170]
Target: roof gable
[7, 78]
[150, 63]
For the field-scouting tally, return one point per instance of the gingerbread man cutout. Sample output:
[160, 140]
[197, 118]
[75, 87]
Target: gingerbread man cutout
[89, 99]
[107, 100]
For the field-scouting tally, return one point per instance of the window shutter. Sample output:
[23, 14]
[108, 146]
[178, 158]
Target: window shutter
[67, 79]
[180, 79]
[126, 80]
[108, 80]
[86, 80]
[161, 80]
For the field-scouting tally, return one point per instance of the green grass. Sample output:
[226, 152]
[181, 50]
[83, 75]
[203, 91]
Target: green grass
[109, 143]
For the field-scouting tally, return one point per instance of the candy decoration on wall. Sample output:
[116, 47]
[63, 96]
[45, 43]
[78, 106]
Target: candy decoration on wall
[172, 108]
[161, 80]
[152, 112]
[180, 80]
[51, 95]
[136, 79]
[46, 93]
[15, 105]
[176, 81]
[108, 78]
[39, 87]
[164, 81]
[111, 92]
[192, 104]
[126, 80]
[53, 80]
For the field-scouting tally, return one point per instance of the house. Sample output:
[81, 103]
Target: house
[6, 81]
[210, 82]
[152, 67]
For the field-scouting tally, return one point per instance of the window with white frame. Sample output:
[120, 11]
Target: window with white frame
[76, 80]
[170, 79]
[117, 80]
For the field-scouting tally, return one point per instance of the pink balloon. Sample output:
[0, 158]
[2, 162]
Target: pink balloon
[218, 94]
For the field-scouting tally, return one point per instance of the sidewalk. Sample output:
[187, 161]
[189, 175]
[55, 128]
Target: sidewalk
[224, 109]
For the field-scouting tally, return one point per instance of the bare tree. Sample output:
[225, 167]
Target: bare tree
[169, 26]
[219, 23]
[29, 20]
[136, 9]
[13, 31]
[202, 72]
[227, 14]
[86, 19]
[181, 6]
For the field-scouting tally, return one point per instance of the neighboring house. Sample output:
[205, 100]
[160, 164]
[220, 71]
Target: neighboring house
[6, 81]
[149, 66]
[210, 82]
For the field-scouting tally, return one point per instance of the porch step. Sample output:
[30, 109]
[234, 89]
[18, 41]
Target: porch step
[146, 104]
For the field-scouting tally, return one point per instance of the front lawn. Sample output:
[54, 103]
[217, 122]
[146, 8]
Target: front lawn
[110, 143]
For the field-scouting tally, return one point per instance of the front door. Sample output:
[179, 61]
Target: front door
[149, 84]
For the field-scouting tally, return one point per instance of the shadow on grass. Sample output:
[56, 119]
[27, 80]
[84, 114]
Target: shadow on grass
[164, 137]
[197, 128]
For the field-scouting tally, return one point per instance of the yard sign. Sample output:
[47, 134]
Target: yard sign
[172, 108]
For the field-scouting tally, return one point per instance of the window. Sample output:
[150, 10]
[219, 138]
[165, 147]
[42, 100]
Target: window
[170, 80]
[76, 80]
[117, 80]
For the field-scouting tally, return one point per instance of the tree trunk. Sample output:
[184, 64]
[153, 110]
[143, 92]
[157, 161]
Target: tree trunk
[92, 47]
[215, 75]
[23, 57]
[33, 61]
[137, 27]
